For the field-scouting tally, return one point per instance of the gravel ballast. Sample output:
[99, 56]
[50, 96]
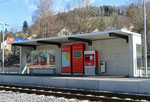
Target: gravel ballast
[8, 96]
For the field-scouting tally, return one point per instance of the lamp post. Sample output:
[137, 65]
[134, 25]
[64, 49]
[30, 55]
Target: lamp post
[145, 41]
[3, 24]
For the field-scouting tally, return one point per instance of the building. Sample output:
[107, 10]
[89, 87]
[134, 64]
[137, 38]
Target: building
[33, 36]
[7, 47]
[64, 32]
[119, 52]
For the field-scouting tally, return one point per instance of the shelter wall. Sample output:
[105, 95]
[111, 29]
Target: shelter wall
[23, 52]
[116, 54]
[114, 51]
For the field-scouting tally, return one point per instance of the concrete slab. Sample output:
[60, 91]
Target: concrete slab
[54, 82]
[126, 85]
[144, 86]
[11, 79]
[32, 80]
[119, 86]
[1, 79]
[83, 84]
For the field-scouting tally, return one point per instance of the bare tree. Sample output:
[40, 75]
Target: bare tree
[83, 3]
[43, 9]
[134, 16]
[44, 20]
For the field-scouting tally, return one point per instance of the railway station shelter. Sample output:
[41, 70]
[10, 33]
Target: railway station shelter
[115, 52]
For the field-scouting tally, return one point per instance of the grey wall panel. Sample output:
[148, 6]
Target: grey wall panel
[114, 51]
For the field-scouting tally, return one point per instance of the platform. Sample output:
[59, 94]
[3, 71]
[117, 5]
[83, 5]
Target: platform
[100, 83]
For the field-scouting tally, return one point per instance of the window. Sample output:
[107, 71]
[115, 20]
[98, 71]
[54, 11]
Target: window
[51, 58]
[138, 51]
[41, 59]
[139, 62]
[35, 58]
[77, 54]
[29, 60]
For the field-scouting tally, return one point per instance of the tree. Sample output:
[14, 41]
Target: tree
[102, 25]
[134, 16]
[25, 27]
[86, 18]
[45, 23]
[6, 31]
[83, 3]
[1, 34]
[106, 10]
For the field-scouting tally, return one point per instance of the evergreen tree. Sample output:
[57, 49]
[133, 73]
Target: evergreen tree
[1, 33]
[25, 27]
[6, 31]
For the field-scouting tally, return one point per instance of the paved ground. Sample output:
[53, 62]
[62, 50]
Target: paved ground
[15, 71]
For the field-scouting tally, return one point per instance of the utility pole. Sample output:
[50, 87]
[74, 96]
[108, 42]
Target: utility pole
[145, 41]
[3, 60]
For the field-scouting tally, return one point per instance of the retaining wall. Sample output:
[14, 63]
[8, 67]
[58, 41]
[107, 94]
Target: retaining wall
[101, 84]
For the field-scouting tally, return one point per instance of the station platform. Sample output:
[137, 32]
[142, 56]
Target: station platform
[101, 83]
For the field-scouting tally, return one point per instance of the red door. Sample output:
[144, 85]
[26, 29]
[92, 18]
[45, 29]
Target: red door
[77, 58]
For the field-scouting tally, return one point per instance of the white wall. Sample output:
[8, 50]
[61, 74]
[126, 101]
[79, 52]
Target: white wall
[133, 41]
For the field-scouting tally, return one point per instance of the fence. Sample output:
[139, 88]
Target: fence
[11, 66]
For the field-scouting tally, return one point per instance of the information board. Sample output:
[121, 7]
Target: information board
[65, 59]
[41, 59]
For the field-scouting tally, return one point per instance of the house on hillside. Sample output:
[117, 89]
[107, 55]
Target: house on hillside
[96, 30]
[33, 36]
[7, 47]
[64, 32]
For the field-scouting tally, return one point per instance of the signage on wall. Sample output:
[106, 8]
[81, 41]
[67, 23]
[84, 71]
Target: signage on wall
[10, 39]
[65, 59]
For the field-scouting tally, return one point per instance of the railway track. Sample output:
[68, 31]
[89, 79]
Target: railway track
[78, 94]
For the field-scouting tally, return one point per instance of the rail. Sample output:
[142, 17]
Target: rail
[78, 94]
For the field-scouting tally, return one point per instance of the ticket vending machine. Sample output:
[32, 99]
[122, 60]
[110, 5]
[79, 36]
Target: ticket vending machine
[78, 59]
[90, 62]
[66, 59]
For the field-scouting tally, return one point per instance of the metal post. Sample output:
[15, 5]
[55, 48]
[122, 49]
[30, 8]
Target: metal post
[3, 48]
[3, 24]
[145, 41]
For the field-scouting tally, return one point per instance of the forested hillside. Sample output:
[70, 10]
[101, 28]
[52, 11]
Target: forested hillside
[85, 18]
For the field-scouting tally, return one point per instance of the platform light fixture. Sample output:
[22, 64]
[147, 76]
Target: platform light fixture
[3, 61]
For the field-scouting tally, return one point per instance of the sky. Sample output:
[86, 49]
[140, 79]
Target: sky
[15, 12]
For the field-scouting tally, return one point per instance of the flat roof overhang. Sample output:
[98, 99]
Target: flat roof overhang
[87, 38]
